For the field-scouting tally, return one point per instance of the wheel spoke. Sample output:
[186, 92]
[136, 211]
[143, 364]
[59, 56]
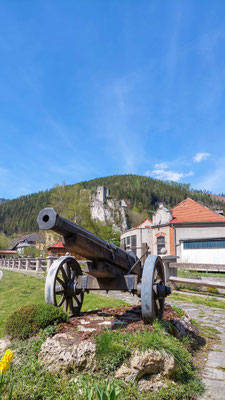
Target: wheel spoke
[68, 272]
[61, 282]
[65, 278]
[157, 304]
[73, 275]
[63, 298]
[77, 300]
[59, 291]
[161, 303]
[71, 304]
[66, 304]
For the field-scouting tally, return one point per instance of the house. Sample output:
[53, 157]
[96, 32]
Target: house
[194, 233]
[7, 253]
[162, 232]
[59, 250]
[136, 239]
[190, 231]
[31, 240]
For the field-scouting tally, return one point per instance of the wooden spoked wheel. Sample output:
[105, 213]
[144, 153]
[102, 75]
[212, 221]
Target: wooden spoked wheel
[153, 289]
[60, 285]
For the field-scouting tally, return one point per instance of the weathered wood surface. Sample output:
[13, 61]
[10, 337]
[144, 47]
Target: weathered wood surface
[102, 270]
[85, 243]
[197, 282]
[119, 283]
[199, 267]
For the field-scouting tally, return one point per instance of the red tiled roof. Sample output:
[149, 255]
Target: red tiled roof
[190, 211]
[146, 219]
[58, 245]
[8, 252]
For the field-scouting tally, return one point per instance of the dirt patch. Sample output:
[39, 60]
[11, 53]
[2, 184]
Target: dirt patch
[127, 318]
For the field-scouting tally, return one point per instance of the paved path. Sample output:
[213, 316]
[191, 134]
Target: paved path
[213, 373]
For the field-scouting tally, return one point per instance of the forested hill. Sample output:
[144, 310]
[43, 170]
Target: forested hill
[2, 200]
[146, 193]
[141, 193]
[19, 215]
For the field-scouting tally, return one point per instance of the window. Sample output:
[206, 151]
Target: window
[128, 241]
[134, 243]
[204, 244]
[160, 243]
[122, 243]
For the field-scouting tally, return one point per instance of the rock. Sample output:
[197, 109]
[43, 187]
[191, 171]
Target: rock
[108, 210]
[152, 364]
[84, 322]
[56, 354]
[118, 324]
[4, 344]
[81, 328]
[98, 318]
[183, 327]
[151, 383]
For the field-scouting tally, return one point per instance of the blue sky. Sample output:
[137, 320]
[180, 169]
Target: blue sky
[91, 88]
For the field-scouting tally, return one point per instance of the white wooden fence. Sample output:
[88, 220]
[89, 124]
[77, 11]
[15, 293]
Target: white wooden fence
[171, 267]
[29, 264]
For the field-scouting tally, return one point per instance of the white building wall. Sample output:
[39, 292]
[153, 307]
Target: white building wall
[208, 256]
[161, 216]
[143, 235]
[205, 256]
[164, 230]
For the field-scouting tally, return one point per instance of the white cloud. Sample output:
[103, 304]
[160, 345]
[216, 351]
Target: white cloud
[169, 175]
[161, 166]
[191, 173]
[201, 156]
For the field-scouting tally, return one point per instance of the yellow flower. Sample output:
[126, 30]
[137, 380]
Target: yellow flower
[8, 356]
[5, 361]
[3, 367]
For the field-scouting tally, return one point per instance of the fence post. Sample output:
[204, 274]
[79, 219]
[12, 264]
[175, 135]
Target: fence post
[50, 260]
[167, 270]
[38, 264]
[28, 259]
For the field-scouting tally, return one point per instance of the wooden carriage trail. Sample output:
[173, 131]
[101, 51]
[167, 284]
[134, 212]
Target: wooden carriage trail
[213, 372]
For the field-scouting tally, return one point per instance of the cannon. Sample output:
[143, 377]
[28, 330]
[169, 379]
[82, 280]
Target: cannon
[108, 267]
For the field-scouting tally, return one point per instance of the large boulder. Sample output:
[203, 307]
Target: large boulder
[65, 352]
[148, 368]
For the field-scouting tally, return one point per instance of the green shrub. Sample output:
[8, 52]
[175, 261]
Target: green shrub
[27, 321]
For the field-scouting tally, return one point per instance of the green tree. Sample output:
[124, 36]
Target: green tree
[4, 242]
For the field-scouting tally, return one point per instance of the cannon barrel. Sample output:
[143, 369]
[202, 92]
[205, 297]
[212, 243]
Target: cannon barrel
[85, 243]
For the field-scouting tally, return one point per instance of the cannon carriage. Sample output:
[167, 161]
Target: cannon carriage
[108, 268]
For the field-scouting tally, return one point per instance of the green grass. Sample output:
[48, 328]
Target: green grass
[188, 274]
[178, 310]
[197, 288]
[114, 346]
[18, 289]
[206, 301]
[32, 382]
